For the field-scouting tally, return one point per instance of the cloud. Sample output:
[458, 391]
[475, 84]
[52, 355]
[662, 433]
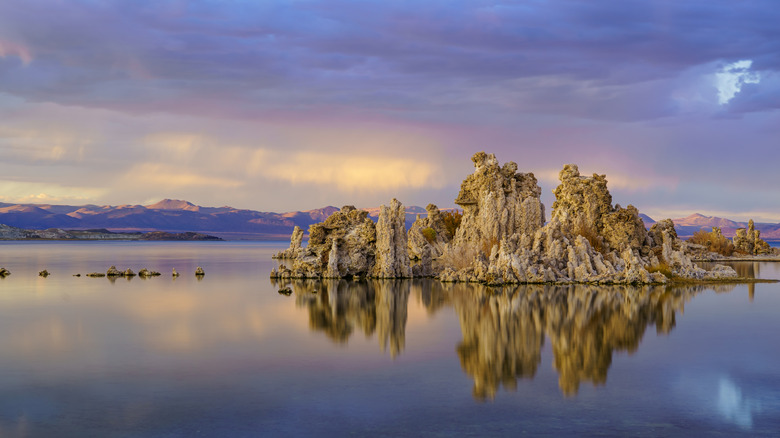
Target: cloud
[20, 192]
[172, 177]
[355, 173]
[590, 59]
[350, 101]
[10, 48]
[730, 80]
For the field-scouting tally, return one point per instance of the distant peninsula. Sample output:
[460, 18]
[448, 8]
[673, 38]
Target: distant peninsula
[14, 233]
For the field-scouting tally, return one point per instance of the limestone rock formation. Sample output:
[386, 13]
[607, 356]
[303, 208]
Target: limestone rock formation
[581, 200]
[174, 273]
[656, 232]
[586, 204]
[588, 240]
[749, 241]
[145, 273]
[295, 245]
[497, 202]
[429, 231]
[502, 237]
[199, 271]
[392, 258]
[344, 245]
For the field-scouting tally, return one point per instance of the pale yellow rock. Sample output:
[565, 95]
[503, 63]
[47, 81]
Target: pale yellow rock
[392, 258]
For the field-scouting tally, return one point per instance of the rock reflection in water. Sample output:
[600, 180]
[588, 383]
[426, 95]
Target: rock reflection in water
[504, 329]
[745, 269]
[337, 307]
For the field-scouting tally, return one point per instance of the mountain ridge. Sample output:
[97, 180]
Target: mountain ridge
[175, 215]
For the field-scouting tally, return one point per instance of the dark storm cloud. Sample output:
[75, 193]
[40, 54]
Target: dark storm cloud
[613, 60]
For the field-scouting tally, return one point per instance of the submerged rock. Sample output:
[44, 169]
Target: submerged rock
[44, 273]
[4, 272]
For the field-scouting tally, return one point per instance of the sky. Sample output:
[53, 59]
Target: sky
[294, 105]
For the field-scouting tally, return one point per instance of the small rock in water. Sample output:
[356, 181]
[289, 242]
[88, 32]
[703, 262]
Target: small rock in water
[4, 272]
[199, 271]
[285, 291]
[77, 275]
[175, 274]
[96, 274]
[44, 273]
[129, 273]
[113, 272]
[145, 273]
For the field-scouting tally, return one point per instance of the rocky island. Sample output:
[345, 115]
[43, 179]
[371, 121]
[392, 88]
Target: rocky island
[503, 238]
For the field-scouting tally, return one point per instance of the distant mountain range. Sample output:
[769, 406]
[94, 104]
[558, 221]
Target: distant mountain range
[172, 216]
[688, 225]
[231, 223]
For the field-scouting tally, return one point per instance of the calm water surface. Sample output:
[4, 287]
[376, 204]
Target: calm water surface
[228, 355]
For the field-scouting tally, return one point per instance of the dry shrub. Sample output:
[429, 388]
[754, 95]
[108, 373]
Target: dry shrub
[452, 221]
[662, 268]
[714, 241]
[429, 234]
[488, 244]
[590, 234]
[458, 257]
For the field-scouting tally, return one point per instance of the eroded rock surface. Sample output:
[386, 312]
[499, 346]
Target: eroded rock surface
[295, 245]
[498, 202]
[392, 257]
[341, 246]
[429, 231]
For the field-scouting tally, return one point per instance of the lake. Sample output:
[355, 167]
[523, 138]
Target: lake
[228, 355]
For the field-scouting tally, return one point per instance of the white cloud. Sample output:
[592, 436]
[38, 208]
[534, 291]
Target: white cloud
[732, 77]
